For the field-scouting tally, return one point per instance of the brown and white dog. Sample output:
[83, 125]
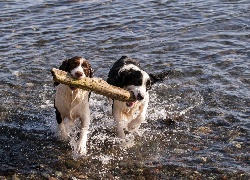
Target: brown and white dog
[73, 103]
[127, 74]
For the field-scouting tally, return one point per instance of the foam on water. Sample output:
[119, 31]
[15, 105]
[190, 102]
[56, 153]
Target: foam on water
[172, 106]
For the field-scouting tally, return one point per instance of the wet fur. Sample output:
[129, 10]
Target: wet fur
[73, 103]
[126, 73]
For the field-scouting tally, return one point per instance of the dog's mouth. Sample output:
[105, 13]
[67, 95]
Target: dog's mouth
[130, 104]
[72, 88]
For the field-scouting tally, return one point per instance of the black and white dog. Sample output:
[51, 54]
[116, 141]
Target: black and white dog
[73, 103]
[127, 74]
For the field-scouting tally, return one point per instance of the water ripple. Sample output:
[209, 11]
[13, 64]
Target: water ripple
[197, 123]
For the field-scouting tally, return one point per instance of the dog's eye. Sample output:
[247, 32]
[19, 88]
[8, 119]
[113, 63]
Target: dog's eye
[74, 64]
[148, 85]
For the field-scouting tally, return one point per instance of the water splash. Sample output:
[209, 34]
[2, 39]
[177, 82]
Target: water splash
[102, 132]
[176, 102]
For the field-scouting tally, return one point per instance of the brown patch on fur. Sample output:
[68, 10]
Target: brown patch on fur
[69, 64]
[88, 71]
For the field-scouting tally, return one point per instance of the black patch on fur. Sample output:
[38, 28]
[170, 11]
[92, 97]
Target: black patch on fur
[148, 84]
[130, 77]
[126, 78]
[63, 67]
[69, 64]
[124, 60]
[58, 115]
[56, 83]
[159, 77]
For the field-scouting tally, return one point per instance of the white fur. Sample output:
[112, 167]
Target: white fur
[126, 115]
[78, 69]
[136, 89]
[72, 105]
[129, 66]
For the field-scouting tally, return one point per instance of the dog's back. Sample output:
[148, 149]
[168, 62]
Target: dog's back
[113, 73]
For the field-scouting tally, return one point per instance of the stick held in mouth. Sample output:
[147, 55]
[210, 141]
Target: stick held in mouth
[96, 85]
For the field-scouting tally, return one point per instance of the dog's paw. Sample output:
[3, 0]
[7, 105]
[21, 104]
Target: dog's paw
[63, 136]
[134, 124]
[132, 127]
[82, 149]
[62, 133]
[121, 134]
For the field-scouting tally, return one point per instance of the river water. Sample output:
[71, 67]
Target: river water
[197, 125]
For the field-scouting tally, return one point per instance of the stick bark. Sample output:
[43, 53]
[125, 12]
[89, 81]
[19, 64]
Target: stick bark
[96, 85]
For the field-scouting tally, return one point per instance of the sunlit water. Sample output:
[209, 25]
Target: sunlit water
[206, 46]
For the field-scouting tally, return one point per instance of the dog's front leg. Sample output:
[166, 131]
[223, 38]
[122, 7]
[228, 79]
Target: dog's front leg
[62, 132]
[135, 123]
[117, 114]
[82, 142]
[61, 127]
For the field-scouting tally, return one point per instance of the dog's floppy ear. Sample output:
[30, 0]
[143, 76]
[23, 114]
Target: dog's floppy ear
[88, 71]
[64, 65]
[159, 77]
[116, 78]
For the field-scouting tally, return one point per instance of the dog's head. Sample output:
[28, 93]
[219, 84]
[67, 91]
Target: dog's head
[127, 74]
[78, 67]
[133, 79]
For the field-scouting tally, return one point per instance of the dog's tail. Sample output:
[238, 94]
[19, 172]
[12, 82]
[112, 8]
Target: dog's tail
[159, 77]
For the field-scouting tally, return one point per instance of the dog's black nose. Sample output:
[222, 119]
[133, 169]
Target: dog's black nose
[140, 97]
[78, 74]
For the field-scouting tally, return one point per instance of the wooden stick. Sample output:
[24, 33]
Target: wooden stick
[96, 85]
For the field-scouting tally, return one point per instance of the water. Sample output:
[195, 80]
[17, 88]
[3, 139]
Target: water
[207, 94]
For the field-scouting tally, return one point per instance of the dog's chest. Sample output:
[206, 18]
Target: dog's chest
[129, 112]
[67, 100]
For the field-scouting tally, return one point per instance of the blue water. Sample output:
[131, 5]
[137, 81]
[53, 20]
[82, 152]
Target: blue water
[207, 94]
